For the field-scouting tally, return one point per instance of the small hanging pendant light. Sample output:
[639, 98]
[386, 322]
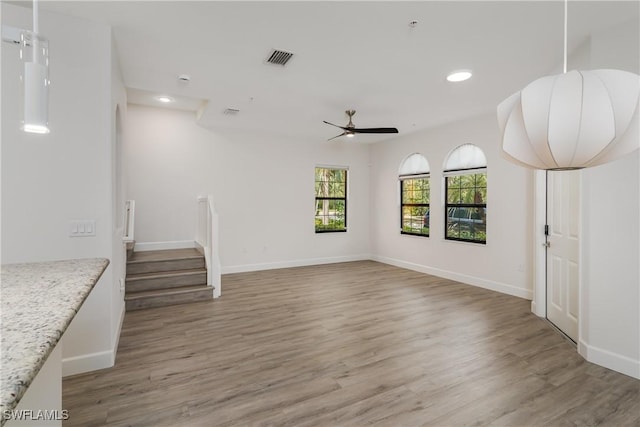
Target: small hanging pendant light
[34, 52]
[572, 120]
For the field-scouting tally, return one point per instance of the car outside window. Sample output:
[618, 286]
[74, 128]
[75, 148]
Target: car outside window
[415, 193]
[466, 195]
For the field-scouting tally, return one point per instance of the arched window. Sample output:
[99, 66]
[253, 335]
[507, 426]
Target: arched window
[465, 173]
[414, 195]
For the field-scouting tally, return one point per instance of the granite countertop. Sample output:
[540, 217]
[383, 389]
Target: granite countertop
[39, 300]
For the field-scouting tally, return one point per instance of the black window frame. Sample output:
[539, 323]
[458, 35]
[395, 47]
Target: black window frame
[402, 179]
[330, 198]
[447, 205]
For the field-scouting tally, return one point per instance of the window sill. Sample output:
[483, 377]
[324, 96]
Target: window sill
[330, 231]
[405, 233]
[468, 242]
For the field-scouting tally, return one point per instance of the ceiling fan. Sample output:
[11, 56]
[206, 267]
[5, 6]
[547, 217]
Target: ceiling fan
[350, 129]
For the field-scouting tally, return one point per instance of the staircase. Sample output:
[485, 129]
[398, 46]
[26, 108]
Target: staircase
[168, 277]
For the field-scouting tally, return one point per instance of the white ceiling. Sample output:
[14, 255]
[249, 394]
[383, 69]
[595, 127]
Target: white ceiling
[361, 55]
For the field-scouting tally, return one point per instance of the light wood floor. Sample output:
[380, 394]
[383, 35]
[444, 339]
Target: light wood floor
[348, 344]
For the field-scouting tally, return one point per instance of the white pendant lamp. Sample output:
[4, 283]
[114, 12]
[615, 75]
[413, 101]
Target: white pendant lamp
[572, 120]
[34, 52]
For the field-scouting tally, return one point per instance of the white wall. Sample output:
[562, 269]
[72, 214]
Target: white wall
[48, 180]
[169, 164]
[263, 188]
[610, 291]
[610, 309]
[504, 263]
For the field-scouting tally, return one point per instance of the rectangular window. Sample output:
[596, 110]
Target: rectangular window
[414, 205]
[331, 200]
[466, 207]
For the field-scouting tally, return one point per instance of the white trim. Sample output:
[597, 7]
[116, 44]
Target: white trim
[95, 361]
[539, 305]
[617, 362]
[129, 222]
[295, 263]
[469, 171]
[322, 166]
[463, 278]
[115, 339]
[464, 242]
[87, 363]
[422, 175]
[157, 246]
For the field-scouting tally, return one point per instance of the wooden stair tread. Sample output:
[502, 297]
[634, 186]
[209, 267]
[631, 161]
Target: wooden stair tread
[167, 292]
[164, 274]
[168, 260]
[166, 277]
[164, 255]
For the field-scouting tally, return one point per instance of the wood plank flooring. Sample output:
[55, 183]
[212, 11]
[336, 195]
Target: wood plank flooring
[350, 344]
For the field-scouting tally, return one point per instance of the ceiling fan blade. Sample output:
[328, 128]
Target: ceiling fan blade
[374, 130]
[337, 136]
[341, 127]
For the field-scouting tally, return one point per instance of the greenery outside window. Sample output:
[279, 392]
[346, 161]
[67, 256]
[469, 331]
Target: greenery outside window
[414, 195]
[331, 200]
[466, 195]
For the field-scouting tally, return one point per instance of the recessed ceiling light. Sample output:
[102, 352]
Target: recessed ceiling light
[165, 99]
[459, 76]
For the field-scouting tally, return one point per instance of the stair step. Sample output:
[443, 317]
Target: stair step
[167, 260]
[166, 279]
[164, 297]
[165, 254]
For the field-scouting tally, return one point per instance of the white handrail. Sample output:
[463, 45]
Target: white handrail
[208, 238]
[129, 220]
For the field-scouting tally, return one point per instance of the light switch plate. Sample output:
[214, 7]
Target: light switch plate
[82, 228]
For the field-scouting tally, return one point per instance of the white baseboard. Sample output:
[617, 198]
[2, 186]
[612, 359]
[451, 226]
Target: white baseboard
[538, 311]
[295, 263]
[616, 362]
[94, 361]
[463, 278]
[158, 246]
[87, 363]
[469, 280]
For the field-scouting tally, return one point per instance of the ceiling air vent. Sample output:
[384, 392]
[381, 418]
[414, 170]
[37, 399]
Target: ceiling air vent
[231, 111]
[279, 57]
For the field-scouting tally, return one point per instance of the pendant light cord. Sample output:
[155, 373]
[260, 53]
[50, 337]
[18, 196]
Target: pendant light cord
[566, 4]
[35, 17]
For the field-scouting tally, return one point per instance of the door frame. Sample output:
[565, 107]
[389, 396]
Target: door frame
[539, 300]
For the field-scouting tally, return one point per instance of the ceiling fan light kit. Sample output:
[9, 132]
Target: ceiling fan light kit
[350, 130]
[572, 120]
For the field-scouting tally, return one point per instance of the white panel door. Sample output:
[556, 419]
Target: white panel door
[563, 218]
